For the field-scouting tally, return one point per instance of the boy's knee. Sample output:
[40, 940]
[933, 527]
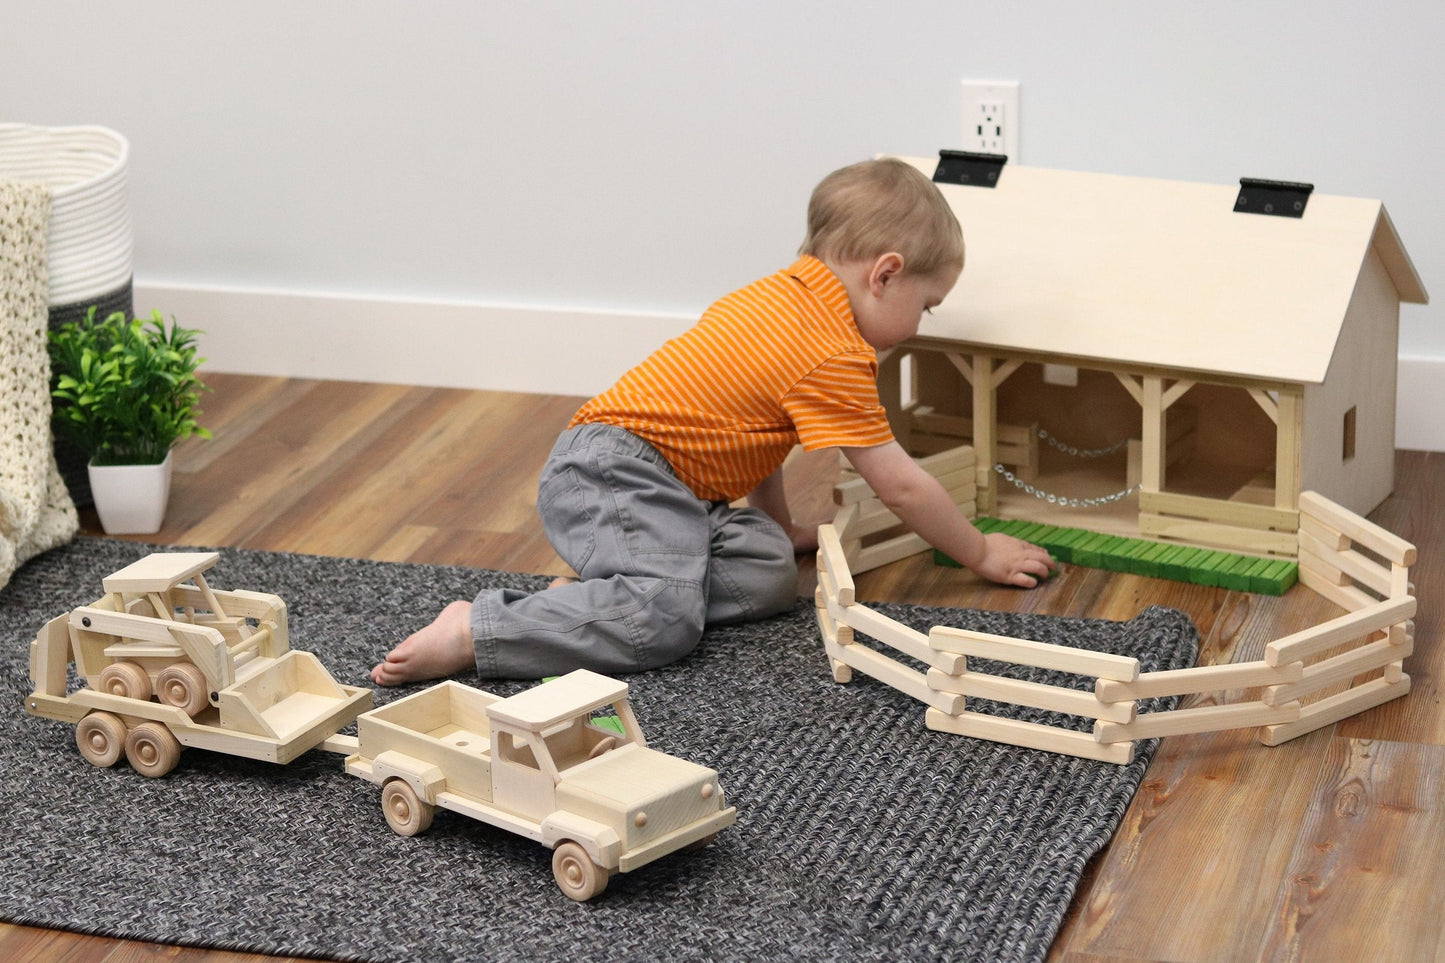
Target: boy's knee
[746, 589]
[779, 592]
[671, 627]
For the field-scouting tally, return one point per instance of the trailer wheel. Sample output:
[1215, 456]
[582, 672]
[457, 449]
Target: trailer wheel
[152, 749]
[127, 680]
[577, 876]
[101, 738]
[405, 812]
[183, 685]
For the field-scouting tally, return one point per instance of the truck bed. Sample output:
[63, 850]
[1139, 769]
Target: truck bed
[444, 726]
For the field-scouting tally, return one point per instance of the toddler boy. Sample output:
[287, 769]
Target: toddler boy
[635, 495]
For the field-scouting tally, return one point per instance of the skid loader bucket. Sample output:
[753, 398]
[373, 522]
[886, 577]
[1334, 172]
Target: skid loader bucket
[292, 699]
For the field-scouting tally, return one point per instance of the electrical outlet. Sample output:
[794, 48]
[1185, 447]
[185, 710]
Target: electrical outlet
[991, 117]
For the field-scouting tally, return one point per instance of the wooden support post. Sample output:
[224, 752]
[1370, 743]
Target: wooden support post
[985, 414]
[834, 637]
[1400, 583]
[826, 594]
[1288, 443]
[1151, 451]
[830, 550]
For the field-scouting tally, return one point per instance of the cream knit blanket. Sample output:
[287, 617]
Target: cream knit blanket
[36, 513]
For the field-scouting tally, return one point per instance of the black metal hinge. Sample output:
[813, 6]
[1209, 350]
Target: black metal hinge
[1278, 198]
[967, 167]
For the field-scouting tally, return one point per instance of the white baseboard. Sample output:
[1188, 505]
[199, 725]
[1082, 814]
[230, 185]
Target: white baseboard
[418, 342]
[1420, 404]
[512, 348]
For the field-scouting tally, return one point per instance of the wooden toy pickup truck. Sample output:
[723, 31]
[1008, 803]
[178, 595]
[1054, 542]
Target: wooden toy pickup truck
[167, 662]
[539, 764]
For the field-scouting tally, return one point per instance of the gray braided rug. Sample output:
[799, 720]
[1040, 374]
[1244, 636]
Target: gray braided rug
[860, 834]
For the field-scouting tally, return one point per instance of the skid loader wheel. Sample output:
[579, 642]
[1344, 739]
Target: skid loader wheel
[406, 813]
[183, 685]
[577, 876]
[152, 750]
[101, 738]
[127, 680]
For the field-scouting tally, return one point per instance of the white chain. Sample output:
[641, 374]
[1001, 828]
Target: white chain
[1064, 500]
[1081, 452]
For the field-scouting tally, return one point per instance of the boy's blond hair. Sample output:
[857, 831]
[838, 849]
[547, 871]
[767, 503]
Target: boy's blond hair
[867, 209]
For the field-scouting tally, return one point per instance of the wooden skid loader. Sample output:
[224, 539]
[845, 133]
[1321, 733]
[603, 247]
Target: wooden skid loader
[166, 661]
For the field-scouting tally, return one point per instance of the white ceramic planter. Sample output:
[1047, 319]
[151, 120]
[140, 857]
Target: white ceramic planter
[131, 499]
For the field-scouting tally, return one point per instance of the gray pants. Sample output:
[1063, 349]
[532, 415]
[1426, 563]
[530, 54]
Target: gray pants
[655, 565]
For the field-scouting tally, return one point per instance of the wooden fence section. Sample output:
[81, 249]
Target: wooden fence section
[862, 517]
[1360, 566]
[1366, 570]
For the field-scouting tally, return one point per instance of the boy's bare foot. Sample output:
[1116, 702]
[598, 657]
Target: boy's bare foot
[560, 581]
[441, 649]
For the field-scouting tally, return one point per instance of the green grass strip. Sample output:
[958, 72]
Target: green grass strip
[1116, 553]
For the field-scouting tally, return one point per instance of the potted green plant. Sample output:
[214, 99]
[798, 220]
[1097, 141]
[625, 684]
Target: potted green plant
[126, 392]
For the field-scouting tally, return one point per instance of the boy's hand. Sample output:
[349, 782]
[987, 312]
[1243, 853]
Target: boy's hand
[1011, 561]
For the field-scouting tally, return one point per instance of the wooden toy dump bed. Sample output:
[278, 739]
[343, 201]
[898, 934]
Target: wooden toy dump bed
[444, 726]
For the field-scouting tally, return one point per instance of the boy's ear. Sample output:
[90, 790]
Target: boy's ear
[886, 267]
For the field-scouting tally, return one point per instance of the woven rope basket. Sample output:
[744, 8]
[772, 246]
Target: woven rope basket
[89, 240]
[90, 237]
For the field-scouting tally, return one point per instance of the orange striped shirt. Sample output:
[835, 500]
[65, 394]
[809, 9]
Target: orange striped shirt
[773, 364]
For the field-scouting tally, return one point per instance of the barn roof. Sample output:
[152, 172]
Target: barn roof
[1159, 273]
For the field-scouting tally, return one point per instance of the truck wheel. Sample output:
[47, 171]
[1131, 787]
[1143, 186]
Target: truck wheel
[127, 680]
[406, 814]
[183, 685]
[152, 749]
[577, 876]
[101, 738]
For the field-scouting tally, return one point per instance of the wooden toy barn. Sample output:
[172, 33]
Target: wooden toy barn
[1162, 359]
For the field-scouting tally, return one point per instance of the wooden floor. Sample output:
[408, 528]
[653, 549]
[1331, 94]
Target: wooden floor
[1331, 847]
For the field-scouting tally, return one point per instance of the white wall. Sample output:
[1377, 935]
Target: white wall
[582, 169]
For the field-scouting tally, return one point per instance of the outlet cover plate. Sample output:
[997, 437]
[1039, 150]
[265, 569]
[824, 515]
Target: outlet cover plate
[991, 117]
